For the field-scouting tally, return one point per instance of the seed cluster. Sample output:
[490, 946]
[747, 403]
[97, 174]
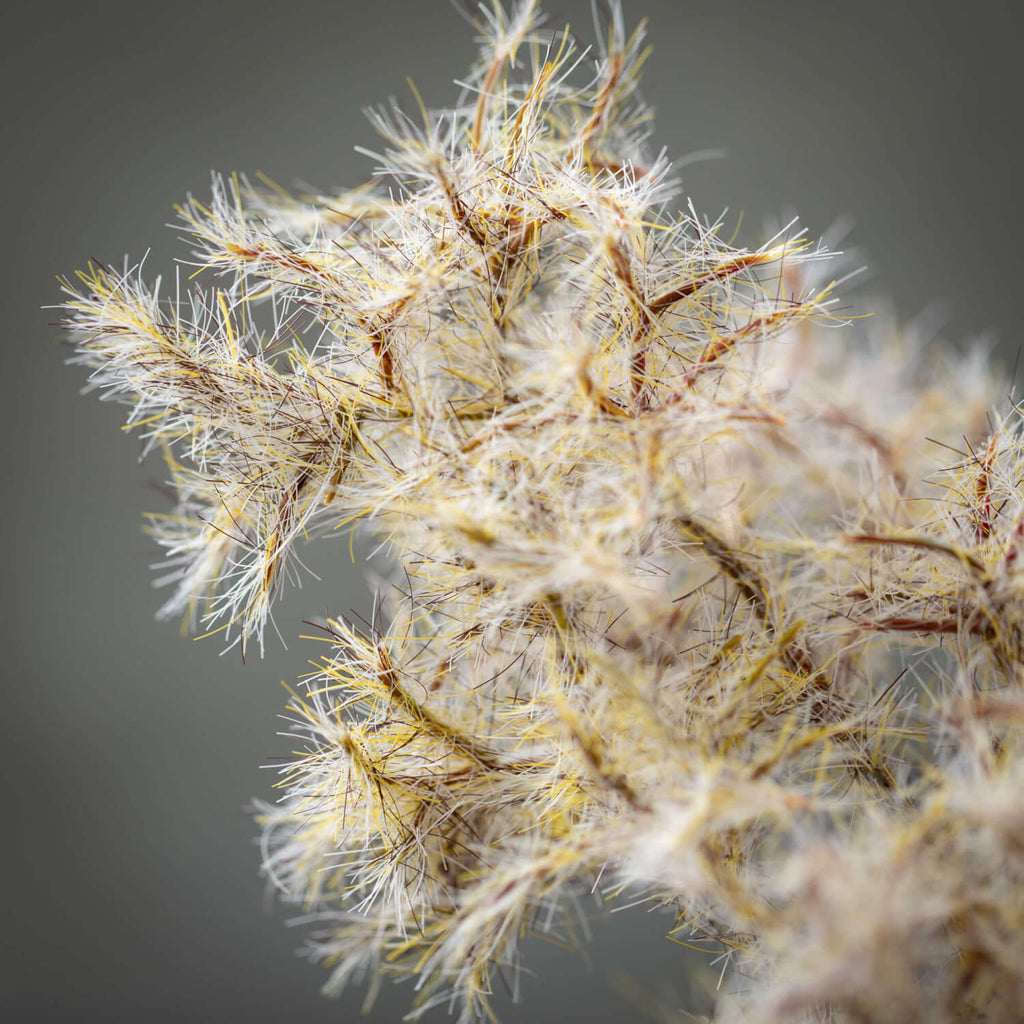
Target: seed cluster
[687, 604]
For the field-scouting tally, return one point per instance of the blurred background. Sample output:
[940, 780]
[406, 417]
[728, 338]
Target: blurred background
[131, 888]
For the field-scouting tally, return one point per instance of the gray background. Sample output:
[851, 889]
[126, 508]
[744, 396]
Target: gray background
[130, 887]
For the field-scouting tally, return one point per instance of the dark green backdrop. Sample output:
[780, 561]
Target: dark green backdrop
[130, 887]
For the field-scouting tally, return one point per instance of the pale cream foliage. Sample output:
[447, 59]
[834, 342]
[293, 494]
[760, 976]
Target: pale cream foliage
[688, 600]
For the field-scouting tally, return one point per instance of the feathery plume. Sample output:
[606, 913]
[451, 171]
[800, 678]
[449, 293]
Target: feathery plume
[687, 606]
